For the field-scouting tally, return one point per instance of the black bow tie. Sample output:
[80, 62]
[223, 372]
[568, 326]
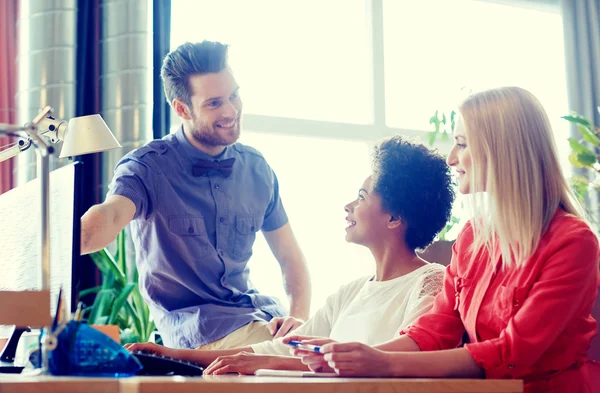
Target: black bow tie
[205, 167]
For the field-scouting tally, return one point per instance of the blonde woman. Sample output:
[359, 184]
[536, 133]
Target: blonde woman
[523, 276]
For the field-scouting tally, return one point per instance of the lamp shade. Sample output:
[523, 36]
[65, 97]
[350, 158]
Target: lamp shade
[87, 134]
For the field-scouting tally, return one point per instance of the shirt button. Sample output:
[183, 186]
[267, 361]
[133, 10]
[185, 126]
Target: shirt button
[511, 366]
[191, 230]
[252, 229]
[216, 186]
[222, 220]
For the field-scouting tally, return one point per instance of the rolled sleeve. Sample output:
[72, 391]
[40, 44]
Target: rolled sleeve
[565, 290]
[131, 180]
[487, 356]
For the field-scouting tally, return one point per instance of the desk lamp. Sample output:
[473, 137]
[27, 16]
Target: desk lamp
[81, 135]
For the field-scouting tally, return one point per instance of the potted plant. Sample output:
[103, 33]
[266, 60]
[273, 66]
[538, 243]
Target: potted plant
[118, 300]
[584, 155]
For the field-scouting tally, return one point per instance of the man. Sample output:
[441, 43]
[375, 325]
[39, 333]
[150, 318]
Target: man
[195, 200]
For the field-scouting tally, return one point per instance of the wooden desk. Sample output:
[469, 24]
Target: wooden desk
[248, 384]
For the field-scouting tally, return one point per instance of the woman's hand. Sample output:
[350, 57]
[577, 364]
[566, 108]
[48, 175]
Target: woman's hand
[279, 327]
[241, 363]
[151, 348]
[313, 360]
[357, 360]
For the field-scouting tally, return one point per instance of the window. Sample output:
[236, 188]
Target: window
[307, 59]
[317, 178]
[436, 51]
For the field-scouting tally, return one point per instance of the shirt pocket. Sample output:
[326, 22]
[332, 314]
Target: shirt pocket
[244, 236]
[191, 233]
[507, 302]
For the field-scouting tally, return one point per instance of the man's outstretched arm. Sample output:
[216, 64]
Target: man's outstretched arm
[101, 224]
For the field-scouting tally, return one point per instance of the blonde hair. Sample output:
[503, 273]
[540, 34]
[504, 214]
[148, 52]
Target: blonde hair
[515, 162]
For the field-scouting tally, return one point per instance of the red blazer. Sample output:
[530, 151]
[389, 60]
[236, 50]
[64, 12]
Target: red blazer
[531, 323]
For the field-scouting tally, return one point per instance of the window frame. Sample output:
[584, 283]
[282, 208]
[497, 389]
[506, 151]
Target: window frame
[378, 128]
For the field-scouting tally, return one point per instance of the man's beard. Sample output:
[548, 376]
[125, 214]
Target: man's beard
[208, 136]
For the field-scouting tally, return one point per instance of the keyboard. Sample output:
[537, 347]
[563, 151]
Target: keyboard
[154, 364]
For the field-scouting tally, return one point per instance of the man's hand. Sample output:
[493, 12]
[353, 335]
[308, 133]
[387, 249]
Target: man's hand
[151, 348]
[241, 363]
[279, 327]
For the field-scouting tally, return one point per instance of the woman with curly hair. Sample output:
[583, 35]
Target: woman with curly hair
[399, 209]
[524, 271]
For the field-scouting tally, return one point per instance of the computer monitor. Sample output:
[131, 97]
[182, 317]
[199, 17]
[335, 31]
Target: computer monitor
[20, 223]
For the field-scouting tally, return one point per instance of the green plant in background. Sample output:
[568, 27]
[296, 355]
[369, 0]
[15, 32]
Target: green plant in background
[443, 126]
[584, 155]
[118, 300]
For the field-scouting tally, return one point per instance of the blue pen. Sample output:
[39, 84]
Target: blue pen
[304, 347]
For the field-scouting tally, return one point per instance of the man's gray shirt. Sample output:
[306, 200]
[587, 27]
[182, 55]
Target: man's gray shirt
[193, 237]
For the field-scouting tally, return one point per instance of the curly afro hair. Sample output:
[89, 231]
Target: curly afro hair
[414, 183]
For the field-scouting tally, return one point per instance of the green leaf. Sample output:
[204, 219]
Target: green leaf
[89, 291]
[588, 135]
[580, 185]
[101, 320]
[122, 322]
[578, 147]
[128, 336]
[103, 300]
[435, 120]
[135, 318]
[587, 158]
[150, 328]
[140, 306]
[122, 256]
[578, 119]
[111, 264]
[119, 301]
[100, 262]
[574, 160]
[108, 280]
[432, 136]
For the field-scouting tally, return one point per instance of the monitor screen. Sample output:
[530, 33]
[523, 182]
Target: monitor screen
[20, 224]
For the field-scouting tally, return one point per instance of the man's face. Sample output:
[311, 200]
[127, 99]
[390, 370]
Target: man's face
[216, 108]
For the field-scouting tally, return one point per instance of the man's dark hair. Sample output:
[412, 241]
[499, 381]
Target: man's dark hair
[414, 183]
[190, 59]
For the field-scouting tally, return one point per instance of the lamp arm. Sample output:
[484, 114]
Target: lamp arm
[19, 147]
[8, 129]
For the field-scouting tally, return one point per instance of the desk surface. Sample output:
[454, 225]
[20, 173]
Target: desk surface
[249, 384]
